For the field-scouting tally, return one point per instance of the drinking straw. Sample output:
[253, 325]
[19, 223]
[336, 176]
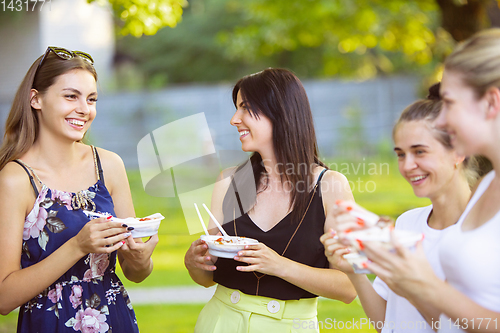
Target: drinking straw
[216, 222]
[201, 220]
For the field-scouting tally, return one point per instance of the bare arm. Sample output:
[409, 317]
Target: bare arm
[373, 304]
[17, 286]
[197, 260]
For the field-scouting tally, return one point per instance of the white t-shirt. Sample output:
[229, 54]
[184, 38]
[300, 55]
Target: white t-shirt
[471, 263]
[401, 315]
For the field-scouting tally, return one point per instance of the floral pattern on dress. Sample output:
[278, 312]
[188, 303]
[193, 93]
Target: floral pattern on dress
[35, 221]
[82, 299]
[55, 294]
[39, 221]
[62, 198]
[91, 319]
[98, 263]
[76, 296]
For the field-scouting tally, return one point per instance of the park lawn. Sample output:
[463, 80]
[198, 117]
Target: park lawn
[332, 316]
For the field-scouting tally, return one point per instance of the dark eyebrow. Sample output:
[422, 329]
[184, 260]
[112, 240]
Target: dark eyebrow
[76, 91]
[397, 148]
[243, 104]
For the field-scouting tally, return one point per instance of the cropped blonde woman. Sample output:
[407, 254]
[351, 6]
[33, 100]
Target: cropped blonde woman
[469, 299]
[428, 162]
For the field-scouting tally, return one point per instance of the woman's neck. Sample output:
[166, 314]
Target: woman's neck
[53, 153]
[449, 206]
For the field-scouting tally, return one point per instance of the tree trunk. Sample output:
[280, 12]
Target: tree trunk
[463, 18]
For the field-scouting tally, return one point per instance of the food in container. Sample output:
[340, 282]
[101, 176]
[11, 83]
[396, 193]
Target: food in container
[144, 226]
[226, 247]
[369, 219]
[406, 238]
[358, 262]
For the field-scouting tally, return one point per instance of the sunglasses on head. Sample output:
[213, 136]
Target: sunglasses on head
[65, 55]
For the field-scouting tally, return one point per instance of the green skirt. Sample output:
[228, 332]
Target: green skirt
[231, 311]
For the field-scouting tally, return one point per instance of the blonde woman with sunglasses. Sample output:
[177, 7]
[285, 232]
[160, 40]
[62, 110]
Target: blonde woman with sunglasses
[57, 264]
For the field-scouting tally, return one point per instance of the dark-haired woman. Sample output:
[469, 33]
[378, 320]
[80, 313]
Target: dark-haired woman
[55, 264]
[436, 171]
[273, 285]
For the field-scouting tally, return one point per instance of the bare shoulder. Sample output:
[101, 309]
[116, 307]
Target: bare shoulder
[15, 183]
[13, 177]
[223, 181]
[109, 159]
[334, 186]
[334, 182]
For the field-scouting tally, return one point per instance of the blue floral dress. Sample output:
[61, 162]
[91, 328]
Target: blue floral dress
[89, 297]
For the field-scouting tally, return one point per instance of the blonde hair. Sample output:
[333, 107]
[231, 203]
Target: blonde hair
[478, 60]
[21, 127]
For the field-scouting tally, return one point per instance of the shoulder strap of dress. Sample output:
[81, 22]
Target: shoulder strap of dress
[233, 184]
[97, 163]
[321, 175]
[25, 167]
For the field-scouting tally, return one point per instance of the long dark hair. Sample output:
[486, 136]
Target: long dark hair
[21, 127]
[279, 95]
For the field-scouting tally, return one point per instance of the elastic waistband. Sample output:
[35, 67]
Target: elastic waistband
[275, 308]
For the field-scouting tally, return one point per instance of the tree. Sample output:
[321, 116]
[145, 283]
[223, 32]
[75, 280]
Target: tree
[138, 17]
[463, 18]
[190, 52]
[359, 38]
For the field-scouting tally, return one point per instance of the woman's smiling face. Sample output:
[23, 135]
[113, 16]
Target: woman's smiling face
[423, 160]
[256, 133]
[68, 107]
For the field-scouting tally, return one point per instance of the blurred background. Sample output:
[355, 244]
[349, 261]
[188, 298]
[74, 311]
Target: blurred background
[361, 62]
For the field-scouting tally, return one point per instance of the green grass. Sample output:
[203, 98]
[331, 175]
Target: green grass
[8, 324]
[182, 318]
[389, 195]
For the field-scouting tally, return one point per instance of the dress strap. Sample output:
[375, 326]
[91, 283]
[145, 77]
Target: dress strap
[321, 175]
[26, 167]
[237, 195]
[97, 163]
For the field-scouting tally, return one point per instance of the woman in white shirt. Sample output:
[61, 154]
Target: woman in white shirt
[429, 163]
[469, 299]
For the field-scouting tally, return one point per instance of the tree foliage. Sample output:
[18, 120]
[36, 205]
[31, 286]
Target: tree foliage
[191, 52]
[356, 38]
[138, 17]
[223, 39]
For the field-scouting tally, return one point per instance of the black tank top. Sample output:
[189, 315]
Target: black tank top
[304, 248]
